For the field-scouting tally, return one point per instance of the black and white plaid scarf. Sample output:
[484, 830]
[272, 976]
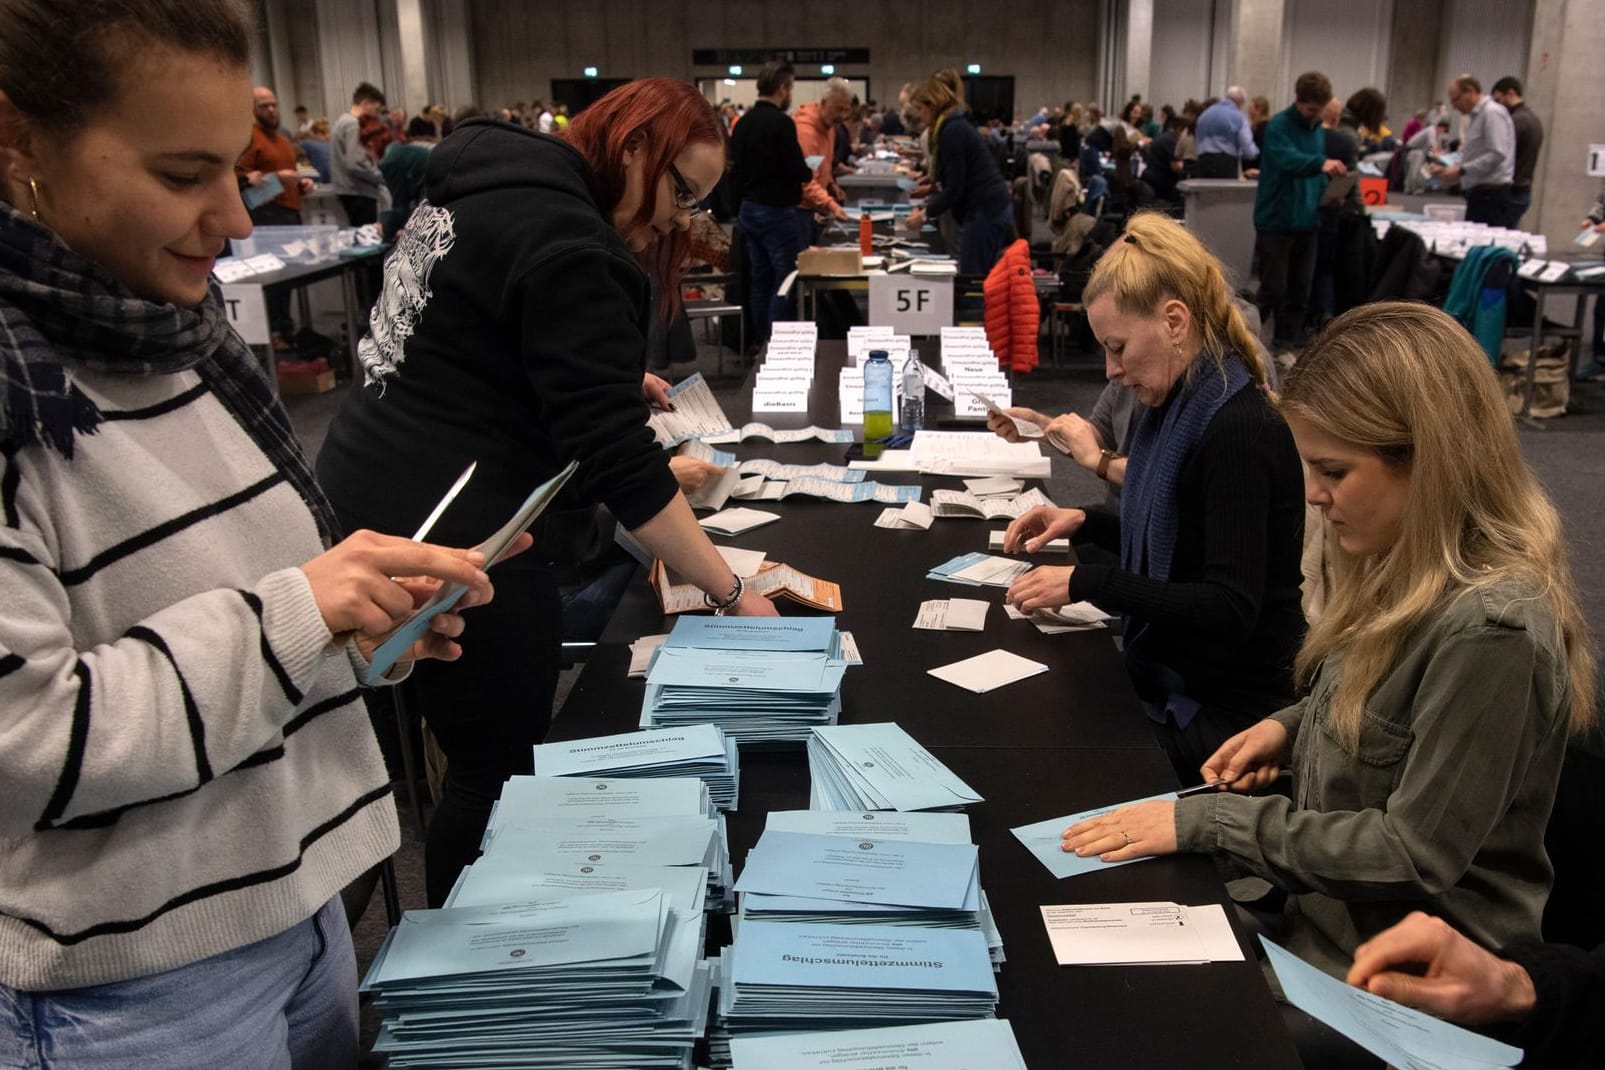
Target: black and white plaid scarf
[58, 312]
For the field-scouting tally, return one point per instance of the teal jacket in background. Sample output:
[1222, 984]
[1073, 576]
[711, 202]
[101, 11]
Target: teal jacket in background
[1477, 295]
[1290, 179]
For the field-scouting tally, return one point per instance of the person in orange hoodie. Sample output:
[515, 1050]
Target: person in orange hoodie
[816, 134]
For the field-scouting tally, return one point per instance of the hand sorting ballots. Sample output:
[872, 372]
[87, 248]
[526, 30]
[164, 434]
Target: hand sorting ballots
[1046, 587]
[369, 584]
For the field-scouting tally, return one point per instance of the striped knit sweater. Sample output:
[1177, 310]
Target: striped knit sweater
[186, 766]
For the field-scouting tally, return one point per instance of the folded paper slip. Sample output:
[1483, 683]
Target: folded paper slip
[959, 503]
[774, 581]
[696, 413]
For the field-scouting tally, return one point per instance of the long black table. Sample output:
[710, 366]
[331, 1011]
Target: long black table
[1064, 741]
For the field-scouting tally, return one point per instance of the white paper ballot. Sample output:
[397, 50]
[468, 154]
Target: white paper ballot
[915, 516]
[850, 652]
[1024, 428]
[992, 486]
[1400, 1035]
[985, 1043]
[1124, 934]
[993, 572]
[994, 541]
[735, 521]
[952, 615]
[744, 563]
[989, 671]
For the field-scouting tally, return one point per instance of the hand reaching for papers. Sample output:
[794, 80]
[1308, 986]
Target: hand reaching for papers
[1251, 759]
[753, 604]
[692, 473]
[1003, 426]
[1145, 828]
[1076, 437]
[1462, 983]
[1047, 587]
[357, 591]
[1039, 525]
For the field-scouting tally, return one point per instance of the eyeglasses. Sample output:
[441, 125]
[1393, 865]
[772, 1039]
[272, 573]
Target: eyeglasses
[685, 198]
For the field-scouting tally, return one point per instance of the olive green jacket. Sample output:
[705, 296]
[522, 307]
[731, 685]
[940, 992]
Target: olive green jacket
[1442, 806]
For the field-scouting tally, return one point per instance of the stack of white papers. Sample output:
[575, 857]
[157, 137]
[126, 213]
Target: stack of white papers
[596, 979]
[959, 503]
[994, 541]
[987, 1042]
[977, 453]
[980, 570]
[879, 767]
[797, 977]
[952, 615]
[1075, 617]
[698, 750]
[756, 678]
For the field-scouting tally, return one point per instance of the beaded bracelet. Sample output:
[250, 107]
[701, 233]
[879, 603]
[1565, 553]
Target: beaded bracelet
[720, 605]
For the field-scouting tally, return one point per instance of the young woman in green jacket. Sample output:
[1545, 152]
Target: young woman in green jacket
[1442, 681]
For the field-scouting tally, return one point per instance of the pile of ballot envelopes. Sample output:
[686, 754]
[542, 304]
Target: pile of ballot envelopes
[697, 750]
[757, 678]
[857, 919]
[576, 939]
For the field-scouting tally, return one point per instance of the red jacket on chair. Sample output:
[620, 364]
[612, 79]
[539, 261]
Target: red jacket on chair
[1013, 314]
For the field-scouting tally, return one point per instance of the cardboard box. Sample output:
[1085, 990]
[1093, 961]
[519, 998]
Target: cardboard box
[315, 383]
[818, 261]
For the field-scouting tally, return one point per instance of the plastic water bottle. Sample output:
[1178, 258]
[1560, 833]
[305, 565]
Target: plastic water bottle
[912, 418]
[866, 234]
[877, 396]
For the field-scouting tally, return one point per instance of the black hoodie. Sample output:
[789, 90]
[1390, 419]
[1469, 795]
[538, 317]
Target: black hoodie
[512, 332]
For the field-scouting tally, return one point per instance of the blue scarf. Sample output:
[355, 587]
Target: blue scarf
[1161, 445]
[58, 311]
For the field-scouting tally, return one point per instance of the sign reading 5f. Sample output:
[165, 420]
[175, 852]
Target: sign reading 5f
[912, 305]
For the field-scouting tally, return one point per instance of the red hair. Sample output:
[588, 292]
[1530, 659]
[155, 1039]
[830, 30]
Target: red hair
[667, 115]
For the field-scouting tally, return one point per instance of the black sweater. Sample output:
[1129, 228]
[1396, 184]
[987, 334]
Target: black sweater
[1228, 620]
[968, 182]
[516, 317]
[766, 160]
[1567, 1027]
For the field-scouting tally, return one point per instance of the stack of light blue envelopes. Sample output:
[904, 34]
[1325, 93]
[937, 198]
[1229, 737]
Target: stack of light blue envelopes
[567, 822]
[879, 767]
[757, 678]
[604, 979]
[797, 903]
[987, 1042]
[780, 977]
[697, 750]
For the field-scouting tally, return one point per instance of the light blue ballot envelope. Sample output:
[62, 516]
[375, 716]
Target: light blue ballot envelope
[984, 1044]
[1399, 1035]
[1043, 838]
[401, 640]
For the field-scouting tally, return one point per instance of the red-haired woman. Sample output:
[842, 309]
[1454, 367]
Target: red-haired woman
[512, 331]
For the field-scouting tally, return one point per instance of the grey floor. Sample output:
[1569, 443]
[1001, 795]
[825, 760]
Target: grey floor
[1568, 455]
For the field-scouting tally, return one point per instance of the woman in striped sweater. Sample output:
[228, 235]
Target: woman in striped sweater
[188, 774]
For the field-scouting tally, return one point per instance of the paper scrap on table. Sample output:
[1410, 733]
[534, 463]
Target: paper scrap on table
[641, 653]
[993, 486]
[736, 521]
[1399, 1035]
[744, 563]
[989, 671]
[1075, 617]
[912, 516]
[1125, 934]
[850, 652]
[994, 541]
[1043, 839]
[952, 615]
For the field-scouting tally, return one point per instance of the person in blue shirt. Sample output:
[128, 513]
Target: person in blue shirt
[1292, 173]
[1225, 139]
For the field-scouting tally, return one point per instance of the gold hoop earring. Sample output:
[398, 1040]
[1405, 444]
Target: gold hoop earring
[33, 195]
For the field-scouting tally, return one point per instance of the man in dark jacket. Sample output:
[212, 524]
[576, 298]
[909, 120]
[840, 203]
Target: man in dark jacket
[1529, 139]
[768, 171]
[1292, 171]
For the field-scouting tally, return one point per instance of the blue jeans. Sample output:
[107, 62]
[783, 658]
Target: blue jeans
[285, 1003]
[981, 242]
[773, 242]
